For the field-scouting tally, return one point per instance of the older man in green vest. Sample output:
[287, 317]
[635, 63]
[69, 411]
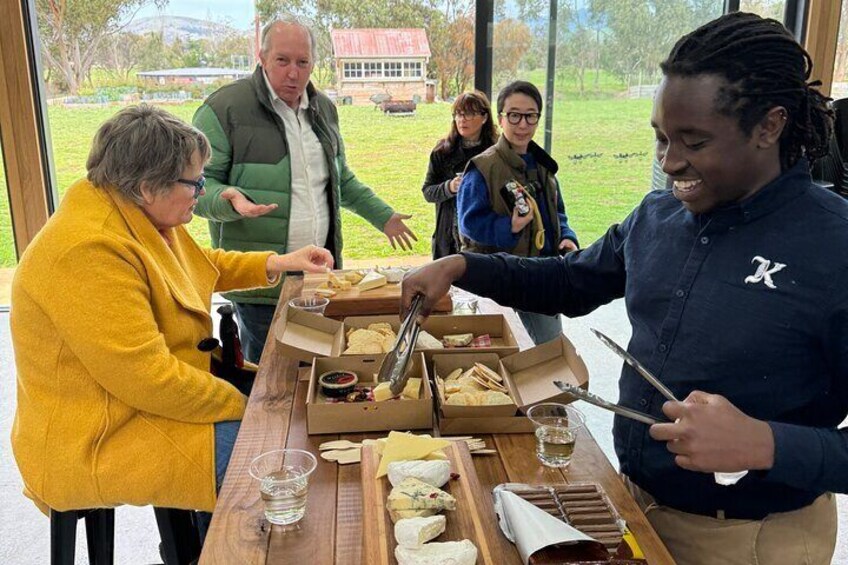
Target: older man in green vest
[278, 175]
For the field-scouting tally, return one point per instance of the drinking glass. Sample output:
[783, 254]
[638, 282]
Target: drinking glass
[313, 304]
[283, 476]
[557, 426]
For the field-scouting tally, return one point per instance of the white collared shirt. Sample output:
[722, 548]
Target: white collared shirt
[309, 219]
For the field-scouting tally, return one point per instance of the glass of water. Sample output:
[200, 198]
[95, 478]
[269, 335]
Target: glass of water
[557, 426]
[283, 476]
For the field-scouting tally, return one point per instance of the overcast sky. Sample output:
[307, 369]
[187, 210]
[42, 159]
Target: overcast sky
[238, 13]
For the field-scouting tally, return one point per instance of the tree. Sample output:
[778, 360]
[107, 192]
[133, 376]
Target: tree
[72, 32]
[512, 39]
[452, 47]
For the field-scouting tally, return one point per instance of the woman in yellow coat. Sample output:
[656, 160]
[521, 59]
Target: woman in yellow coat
[116, 404]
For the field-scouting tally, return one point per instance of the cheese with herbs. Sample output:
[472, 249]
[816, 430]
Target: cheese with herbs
[415, 495]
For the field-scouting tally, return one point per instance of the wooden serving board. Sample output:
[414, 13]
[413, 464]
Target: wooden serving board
[474, 518]
[382, 300]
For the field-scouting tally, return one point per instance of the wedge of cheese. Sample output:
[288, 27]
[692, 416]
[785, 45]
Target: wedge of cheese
[407, 447]
[434, 473]
[383, 392]
[414, 532]
[419, 498]
[445, 553]
[412, 389]
[371, 281]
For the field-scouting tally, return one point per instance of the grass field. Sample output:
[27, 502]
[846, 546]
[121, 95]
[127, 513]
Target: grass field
[390, 154]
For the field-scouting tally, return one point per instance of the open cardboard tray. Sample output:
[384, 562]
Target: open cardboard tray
[528, 375]
[349, 417]
[474, 518]
[303, 336]
[503, 340]
[353, 302]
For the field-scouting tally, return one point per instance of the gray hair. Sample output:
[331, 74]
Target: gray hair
[289, 20]
[143, 143]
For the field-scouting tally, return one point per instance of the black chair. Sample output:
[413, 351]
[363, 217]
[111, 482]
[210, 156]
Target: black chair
[180, 539]
[830, 171]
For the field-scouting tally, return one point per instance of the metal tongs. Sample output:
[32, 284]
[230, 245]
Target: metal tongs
[393, 368]
[637, 366]
[586, 396]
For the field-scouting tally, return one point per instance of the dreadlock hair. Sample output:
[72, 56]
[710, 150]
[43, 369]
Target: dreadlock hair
[764, 67]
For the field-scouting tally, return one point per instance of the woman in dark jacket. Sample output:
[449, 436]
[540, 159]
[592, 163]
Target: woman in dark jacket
[472, 131]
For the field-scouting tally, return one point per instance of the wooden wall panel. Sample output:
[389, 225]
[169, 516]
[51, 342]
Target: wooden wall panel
[19, 129]
[822, 33]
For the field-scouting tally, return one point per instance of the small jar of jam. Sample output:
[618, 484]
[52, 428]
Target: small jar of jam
[337, 384]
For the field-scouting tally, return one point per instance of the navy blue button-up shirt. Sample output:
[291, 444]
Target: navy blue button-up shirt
[749, 301]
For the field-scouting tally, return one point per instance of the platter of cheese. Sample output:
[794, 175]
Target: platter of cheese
[360, 292]
[423, 503]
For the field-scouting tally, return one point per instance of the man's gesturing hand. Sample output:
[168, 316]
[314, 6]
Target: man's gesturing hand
[245, 207]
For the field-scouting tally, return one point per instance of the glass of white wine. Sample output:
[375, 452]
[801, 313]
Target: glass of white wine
[557, 426]
[283, 476]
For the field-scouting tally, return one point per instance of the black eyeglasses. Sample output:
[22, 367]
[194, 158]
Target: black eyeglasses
[466, 115]
[514, 118]
[196, 184]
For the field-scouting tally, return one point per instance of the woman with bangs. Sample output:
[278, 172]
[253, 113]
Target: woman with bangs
[472, 131]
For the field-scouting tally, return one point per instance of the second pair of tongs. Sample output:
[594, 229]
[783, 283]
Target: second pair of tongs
[393, 368]
[596, 400]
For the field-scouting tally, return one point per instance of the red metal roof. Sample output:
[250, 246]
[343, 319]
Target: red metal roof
[379, 42]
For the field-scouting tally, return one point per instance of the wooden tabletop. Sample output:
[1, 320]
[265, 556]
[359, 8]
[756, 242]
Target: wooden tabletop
[331, 531]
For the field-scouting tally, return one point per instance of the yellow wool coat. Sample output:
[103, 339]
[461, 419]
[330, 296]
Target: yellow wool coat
[116, 404]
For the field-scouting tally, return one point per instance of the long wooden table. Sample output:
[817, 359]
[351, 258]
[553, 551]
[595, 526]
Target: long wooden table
[331, 531]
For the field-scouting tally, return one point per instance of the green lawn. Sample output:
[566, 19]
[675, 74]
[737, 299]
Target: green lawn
[390, 154]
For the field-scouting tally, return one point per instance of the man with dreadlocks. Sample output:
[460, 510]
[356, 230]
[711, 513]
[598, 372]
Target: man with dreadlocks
[736, 286]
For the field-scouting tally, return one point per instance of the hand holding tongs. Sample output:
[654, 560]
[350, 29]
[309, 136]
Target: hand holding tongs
[586, 396]
[393, 368]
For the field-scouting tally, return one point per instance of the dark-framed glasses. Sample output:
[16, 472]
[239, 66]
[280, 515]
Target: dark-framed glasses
[465, 115]
[514, 118]
[196, 184]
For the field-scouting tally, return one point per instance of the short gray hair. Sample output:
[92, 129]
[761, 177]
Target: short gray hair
[143, 143]
[290, 20]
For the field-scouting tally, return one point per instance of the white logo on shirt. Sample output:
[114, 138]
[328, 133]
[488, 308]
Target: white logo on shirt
[764, 273]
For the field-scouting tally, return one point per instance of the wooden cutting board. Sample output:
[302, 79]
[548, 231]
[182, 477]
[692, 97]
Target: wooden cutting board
[474, 518]
[382, 300]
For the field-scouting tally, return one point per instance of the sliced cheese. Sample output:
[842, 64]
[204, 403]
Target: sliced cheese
[407, 447]
[434, 473]
[412, 389]
[371, 281]
[380, 444]
[383, 392]
[414, 532]
[445, 553]
[416, 498]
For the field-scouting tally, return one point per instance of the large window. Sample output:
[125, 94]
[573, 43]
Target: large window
[606, 71]
[412, 70]
[90, 68]
[766, 8]
[840, 67]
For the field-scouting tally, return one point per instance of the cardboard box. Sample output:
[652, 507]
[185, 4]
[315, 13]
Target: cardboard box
[331, 418]
[304, 336]
[503, 340]
[528, 375]
[532, 372]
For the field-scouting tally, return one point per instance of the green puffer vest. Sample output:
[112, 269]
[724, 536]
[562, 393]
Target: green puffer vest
[498, 165]
[250, 153]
